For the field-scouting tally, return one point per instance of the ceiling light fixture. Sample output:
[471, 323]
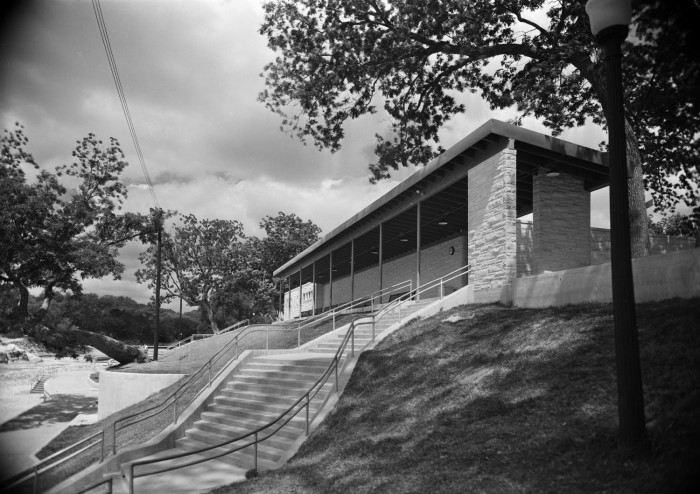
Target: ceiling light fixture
[552, 172]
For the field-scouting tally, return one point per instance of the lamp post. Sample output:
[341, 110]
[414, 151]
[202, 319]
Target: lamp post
[609, 24]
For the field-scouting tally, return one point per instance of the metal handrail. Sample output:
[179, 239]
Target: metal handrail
[51, 462]
[192, 337]
[307, 397]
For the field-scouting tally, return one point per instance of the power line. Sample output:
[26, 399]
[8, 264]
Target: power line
[122, 97]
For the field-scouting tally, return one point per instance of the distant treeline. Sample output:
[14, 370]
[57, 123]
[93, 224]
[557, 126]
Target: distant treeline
[121, 318]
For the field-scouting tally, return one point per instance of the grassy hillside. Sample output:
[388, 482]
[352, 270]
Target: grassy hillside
[495, 399]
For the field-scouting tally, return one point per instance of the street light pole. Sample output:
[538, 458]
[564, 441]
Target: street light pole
[609, 23]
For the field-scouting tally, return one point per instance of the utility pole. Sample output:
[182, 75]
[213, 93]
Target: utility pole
[159, 226]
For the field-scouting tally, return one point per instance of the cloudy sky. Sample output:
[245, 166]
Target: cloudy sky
[190, 72]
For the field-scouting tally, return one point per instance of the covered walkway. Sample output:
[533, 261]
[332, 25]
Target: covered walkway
[460, 209]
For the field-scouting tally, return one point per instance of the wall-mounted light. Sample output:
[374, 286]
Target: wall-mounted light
[552, 172]
[375, 252]
[442, 222]
[403, 239]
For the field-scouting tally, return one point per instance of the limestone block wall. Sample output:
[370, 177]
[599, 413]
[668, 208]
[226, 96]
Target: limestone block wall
[524, 248]
[599, 245]
[561, 223]
[491, 229]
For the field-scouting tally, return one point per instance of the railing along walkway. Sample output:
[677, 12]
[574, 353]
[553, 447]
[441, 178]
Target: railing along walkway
[303, 404]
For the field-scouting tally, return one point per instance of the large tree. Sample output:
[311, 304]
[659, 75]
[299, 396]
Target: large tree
[53, 237]
[199, 259]
[339, 59]
[286, 235]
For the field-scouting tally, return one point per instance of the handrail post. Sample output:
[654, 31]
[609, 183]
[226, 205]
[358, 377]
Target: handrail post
[131, 479]
[333, 320]
[110, 485]
[236, 357]
[267, 337]
[352, 336]
[299, 337]
[102, 451]
[441, 288]
[175, 409]
[255, 465]
[307, 413]
[336, 373]
[114, 437]
[209, 385]
[374, 320]
[399, 311]
[35, 487]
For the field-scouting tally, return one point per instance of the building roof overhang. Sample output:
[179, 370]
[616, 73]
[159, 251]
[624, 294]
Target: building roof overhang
[446, 175]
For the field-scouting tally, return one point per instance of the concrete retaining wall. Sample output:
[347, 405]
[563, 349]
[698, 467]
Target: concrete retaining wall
[119, 390]
[659, 277]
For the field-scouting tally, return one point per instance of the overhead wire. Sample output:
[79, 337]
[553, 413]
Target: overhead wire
[122, 97]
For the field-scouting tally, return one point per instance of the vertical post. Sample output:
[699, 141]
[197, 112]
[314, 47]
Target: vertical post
[289, 297]
[35, 487]
[313, 287]
[441, 288]
[102, 450]
[159, 225]
[381, 260]
[307, 413]
[131, 478]
[336, 373]
[352, 344]
[418, 249]
[255, 465]
[300, 283]
[330, 282]
[174, 409]
[352, 269]
[374, 319]
[179, 321]
[629, 377]
[267, 337]
[281, 304]
[114, 437]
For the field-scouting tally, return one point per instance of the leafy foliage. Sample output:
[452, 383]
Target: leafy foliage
[341, 59]
[675, 225]
[53, 237]
[197, 260]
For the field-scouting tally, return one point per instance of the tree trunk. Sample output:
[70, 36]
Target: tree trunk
[639, 221]
[208, 315]
[68, 338]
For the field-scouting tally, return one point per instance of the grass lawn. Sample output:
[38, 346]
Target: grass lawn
[494, 399]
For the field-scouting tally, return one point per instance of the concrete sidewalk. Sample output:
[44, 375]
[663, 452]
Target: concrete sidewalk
[22, 437]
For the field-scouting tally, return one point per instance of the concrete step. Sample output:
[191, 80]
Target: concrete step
[253, 396]
[307, 369]
[266, 449]
[267, 388]
[279, 382]
[241, 459]
[240, 426]
[276, 441]
[280, 374]
[263, 406]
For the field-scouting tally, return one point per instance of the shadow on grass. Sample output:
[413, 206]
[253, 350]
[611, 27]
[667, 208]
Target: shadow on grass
[63, 408]
[508, 400]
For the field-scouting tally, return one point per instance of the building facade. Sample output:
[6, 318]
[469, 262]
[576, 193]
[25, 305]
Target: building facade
[460, 210]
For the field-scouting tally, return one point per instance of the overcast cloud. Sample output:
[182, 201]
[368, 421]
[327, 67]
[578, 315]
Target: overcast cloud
[190, 72]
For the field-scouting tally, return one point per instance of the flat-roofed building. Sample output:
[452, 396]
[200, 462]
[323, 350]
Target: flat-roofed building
[460, 210]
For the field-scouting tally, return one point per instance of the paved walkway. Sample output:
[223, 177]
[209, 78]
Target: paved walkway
[26, 434]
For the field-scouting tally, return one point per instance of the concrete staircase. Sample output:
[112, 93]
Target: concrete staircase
[38, 387]
[263, 389]
[258, 393]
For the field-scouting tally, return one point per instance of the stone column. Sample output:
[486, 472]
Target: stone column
[491, 228]
[561, 223]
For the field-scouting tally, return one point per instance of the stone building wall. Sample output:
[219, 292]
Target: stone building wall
[492, 211]
[561, 223]
[599, 245]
